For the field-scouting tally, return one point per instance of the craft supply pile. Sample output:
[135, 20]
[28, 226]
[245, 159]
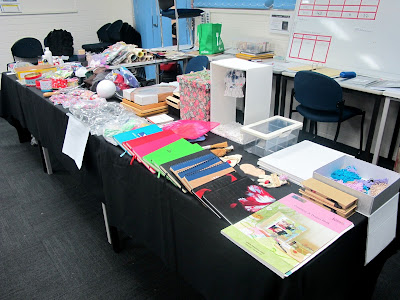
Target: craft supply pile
[284, 230]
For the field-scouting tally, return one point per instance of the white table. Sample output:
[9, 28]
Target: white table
[389, 96]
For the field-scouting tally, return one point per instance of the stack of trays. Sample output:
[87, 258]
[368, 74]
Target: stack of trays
[328, 197]
[174, 101]
[146, 110]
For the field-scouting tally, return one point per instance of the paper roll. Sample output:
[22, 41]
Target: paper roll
[130, 58]
[138, 52]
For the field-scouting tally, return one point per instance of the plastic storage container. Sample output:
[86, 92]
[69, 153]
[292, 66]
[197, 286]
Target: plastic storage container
[270, 135]
[252, 47]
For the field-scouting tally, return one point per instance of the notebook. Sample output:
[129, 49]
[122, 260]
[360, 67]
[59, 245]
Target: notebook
[216, 184]
[238, 200]
[170, 175]
[204, 173]
[148, 144]
[170, 152]
[135, 133]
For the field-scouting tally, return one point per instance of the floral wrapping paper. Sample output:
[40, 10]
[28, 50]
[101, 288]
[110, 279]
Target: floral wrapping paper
[195, 95]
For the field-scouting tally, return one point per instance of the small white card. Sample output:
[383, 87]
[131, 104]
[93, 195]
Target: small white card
[75, 140]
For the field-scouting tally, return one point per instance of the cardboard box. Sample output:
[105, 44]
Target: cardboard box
[381, 228]
[145, 99]
[129, 94]
[367, 204]
[22, 71]
[195, 95]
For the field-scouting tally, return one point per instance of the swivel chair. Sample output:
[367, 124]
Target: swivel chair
[321, 100]
[176, 14]
[27, 49]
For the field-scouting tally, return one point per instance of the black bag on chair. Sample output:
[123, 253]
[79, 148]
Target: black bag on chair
[60, 42]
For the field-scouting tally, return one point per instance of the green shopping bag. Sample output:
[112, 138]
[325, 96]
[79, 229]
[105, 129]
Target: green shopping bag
[210, 41]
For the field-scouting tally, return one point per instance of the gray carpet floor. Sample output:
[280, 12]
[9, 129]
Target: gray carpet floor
[53, 243]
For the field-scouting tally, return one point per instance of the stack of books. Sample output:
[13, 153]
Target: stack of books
[217, 185]
[329, 197]
[252, 56]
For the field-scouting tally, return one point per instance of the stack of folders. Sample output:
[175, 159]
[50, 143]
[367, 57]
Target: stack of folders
[328, 197]
[141, 147]
[299, 161]
[217, 185]
[172, 151]
[121, 138]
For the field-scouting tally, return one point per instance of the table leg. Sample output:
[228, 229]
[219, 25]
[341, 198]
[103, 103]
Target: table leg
[157, 73]
[283, 96]
[103, 206]
[395, 135]
[49, 169]
[371, 131]
[380, 130]
[42, 157]
[278, 78]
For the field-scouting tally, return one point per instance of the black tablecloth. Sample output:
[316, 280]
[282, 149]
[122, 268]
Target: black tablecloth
[176, 227]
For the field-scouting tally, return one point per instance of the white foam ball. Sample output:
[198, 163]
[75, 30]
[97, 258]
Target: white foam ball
[106, 89]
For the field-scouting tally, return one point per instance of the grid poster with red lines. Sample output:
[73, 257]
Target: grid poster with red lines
[352, 35]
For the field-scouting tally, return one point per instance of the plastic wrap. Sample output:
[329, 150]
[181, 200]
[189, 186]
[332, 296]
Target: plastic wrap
[106, 118]
[231, 131]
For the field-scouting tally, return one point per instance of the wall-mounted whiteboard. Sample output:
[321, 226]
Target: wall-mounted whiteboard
[351, 35]
[39, 6]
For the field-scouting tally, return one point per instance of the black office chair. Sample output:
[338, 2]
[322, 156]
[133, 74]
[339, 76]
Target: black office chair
[104, 40]
[321, 100]
[176, 14]
[108, 34]
[197, 63]
[60, 42]
[27, 49]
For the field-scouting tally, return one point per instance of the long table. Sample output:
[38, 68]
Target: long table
[177, 228]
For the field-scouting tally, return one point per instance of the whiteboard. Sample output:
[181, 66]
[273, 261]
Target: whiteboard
[350, 35]
[27, 7]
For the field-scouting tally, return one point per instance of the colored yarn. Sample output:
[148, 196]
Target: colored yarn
[350, 177]
[346, 175]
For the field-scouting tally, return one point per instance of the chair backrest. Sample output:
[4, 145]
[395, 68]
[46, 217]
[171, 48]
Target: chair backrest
[114, 31]
[27, 48]
[130, 35]
[317, 91]
[60, 42]
[197, 63]
[165, 4]
[102, 33]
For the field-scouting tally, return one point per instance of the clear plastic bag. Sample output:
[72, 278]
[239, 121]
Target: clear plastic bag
[105, 117]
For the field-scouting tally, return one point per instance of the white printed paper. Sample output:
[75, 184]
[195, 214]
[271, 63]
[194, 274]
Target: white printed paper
[280, 22]
[75, 140]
